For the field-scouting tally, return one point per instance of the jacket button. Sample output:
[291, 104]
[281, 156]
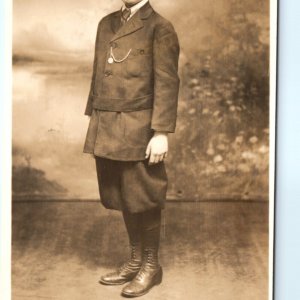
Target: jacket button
[113, 45]
[142, 51]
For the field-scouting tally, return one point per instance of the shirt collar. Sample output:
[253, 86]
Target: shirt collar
[135, 8]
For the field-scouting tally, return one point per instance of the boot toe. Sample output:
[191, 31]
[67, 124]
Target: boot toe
[133, 290]
[112, 279]
[141, 286]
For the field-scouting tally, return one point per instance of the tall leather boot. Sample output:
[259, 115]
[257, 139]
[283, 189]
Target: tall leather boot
[150, 273]
[130, 268]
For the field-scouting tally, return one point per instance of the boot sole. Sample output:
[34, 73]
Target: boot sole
[110, 283]
[157, 281]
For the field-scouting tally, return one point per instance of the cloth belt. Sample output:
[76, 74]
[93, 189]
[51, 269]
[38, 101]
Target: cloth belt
[122, 105]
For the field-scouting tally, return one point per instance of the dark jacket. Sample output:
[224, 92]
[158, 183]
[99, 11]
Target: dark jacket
[135, 97]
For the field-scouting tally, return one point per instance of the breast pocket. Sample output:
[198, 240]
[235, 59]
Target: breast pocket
[139, 62]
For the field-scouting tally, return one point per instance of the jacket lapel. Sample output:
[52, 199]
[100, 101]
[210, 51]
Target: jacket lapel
[134, 24]
[116, 21]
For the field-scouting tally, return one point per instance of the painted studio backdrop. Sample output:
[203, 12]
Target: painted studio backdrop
[220, 148]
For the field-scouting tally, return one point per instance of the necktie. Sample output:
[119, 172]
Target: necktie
[125, 15]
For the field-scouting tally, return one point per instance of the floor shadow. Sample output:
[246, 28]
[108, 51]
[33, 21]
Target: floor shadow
[202, 234]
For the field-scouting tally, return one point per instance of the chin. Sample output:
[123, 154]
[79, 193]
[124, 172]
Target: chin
[131, 1]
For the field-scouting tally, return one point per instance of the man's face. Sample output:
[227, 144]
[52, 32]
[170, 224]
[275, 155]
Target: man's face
[131, 2]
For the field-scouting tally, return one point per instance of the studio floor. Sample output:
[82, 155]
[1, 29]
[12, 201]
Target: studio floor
[209, 251]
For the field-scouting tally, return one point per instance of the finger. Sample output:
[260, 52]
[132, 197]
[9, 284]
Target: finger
[148, 151]
[161, 158]
[156, 158]
[152, 159]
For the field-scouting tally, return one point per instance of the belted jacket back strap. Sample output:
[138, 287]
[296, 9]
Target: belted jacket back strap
[143, 73]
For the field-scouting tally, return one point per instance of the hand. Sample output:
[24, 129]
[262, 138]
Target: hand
[157, 148]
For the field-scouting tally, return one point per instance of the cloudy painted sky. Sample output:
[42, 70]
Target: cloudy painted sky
[47, 27]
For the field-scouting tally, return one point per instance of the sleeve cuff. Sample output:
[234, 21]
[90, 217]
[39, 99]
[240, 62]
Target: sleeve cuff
[163, 129]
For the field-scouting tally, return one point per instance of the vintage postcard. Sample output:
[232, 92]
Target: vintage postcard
[143, 149]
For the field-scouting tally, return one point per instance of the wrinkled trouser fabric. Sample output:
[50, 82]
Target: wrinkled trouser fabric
[131, 186]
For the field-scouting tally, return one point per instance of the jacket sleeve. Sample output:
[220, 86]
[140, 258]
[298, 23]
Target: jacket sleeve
[166, 81]
[89, 105]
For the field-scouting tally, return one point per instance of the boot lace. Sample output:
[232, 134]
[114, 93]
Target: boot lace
[133, 262]
[150, 261]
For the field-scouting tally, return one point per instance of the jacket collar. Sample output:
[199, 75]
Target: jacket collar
[134, 24]
[145, 11]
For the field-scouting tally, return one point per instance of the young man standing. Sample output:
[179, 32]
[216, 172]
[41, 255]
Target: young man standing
[133, 106]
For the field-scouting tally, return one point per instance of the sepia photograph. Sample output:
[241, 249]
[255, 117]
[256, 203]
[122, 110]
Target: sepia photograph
[143, 149]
